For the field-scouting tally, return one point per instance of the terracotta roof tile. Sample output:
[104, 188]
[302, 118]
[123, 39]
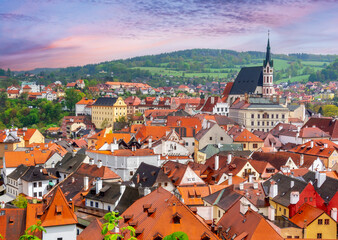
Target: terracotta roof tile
[307, 212]
[246, 136]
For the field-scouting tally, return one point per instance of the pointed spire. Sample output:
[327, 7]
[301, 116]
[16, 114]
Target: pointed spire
[268, 54]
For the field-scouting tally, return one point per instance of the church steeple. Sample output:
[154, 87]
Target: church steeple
[268, 54]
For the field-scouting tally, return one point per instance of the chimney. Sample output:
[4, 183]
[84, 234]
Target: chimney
[216, 162]
[241, 186]
[326, 145]
[85, 183]
[271, 213]
[91, 161]
[230, 179]
[146, 191]
[292, 183]
[99, 163]
[73, 179]
[212, 100]
[273, 189]
[294, 197]
[255, 185]
[150, 143]
[301, 162]
[53, 165]
[251, 178]
[243, 208]
[114, 140]
[2, 205]
[321, 179]
[122, 188]
[98, 185]
[334, 214]
[208, 125]
[73, 154]
[311, 144]
[138, 178]
[229, 158]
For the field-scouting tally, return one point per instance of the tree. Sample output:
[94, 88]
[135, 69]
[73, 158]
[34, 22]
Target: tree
[105, 123]
[20, 202]
[72, 97]
[31, 231]
[113, 221]
[177, 236]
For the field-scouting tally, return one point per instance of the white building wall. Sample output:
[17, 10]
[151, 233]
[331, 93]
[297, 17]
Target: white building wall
[80, 109]
[124, 166]
[63, 232]
[221, 109]
[189, 144]
[29, 189]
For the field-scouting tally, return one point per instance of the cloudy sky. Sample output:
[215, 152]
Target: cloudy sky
[60, 33]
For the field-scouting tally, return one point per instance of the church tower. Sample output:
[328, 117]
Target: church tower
[268, 89]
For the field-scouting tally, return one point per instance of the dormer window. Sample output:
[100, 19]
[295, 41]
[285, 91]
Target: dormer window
[205, 236]
[58, 210]
[177, 218]
[157, 236]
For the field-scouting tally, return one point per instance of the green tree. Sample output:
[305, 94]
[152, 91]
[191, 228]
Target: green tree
[113, 221]
[72, 97]
[105, 123]
[32, 231]
[177, 236]
[20, 202]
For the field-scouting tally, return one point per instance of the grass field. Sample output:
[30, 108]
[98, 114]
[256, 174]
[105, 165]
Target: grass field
[294, 79]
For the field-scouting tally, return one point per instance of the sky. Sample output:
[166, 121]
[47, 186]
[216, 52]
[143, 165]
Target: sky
[61, 33]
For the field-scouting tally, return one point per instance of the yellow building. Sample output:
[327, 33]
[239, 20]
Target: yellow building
[106, 111]
[315, 222]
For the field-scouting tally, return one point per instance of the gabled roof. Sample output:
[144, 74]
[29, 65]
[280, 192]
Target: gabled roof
[284, 188]
[58, 212]
[312, 132]
[148, 175]
[18, 172]
[176, 173]
[192, 195]
[94, 171]
[70, 163]
[306, 215]
[250, 226]
[247, 80]
[86, 101]
[224, 198]
[38, 174]
[246, 136]
[154, 132]
[227, 91]
[326, 124]
[92, 231]
[154, 215]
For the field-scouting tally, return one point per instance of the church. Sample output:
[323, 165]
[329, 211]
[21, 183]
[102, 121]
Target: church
[257, 81]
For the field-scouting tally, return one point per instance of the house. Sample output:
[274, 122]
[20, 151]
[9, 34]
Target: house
[80, 83]
[133, 103]
[70, 163]
[14, 183]
[315, 222]
[241, 222]
[113, 196]
[220, 149]
[181, 174]
[37, 181]
[125, 161]
[9, 141]
[326, 124]
[249, 140]
[106, 111]
[152, 177]
[211, 133]
[171, 216]
[13, 93]
[57, 217]
[323, 148]
[83, 107]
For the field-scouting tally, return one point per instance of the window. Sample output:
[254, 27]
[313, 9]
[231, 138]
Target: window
[255, 145]
[258, 123]
[276, 115]
[311, 199]
[91, 203]
[320, 221]
[96, 204]
[40, 184]
[244, 145]
[40, 194]
[267, 123]
[165, 184]
[210, 138]
[59, 238]
[319, 235]
[284, 212]
[271, 115]
[221, 138]
[327, 221]
[131, 173]
[258, 116]
[252, 123]
[305, 199]
[34, 184]
[193, 144]
[252, 115]
[6, 147]
[186, 144]
[262, 123]
[35, 194]
[109, 208]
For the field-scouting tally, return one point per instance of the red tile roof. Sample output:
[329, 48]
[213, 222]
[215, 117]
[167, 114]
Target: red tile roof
[246, 136]
[12, 223]
[319, 148]
[308, 213]
[28, 158]
[156, 214]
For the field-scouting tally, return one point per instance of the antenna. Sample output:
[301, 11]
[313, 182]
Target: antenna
[268, 33]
